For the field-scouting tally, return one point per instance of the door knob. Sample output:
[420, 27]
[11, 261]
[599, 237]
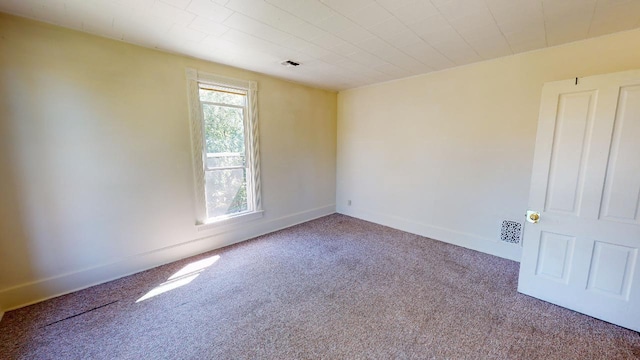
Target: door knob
[533, 216]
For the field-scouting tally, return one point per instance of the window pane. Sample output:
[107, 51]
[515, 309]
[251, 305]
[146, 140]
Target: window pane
[224, 160]
[222, 97]
[223, 129]
[226, 192]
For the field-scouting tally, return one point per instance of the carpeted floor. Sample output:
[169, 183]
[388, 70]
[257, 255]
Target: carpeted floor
[332, 288]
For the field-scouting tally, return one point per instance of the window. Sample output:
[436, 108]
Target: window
[224, 133]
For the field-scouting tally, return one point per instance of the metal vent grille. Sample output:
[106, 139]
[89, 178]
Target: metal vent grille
[511, 232]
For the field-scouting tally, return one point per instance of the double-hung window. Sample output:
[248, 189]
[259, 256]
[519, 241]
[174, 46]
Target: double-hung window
[224, 132]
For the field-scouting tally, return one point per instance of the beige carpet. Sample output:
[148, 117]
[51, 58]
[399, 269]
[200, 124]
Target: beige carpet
[333, 288]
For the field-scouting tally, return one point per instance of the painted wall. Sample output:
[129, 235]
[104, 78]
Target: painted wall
[96, 179]
[448, 155]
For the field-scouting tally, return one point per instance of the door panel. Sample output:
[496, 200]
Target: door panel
[555, 255]
[612, 268]
[570, 142]
[622, 186]
[582, 254]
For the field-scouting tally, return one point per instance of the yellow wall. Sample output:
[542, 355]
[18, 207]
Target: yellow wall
[96, 178]
[449, 154]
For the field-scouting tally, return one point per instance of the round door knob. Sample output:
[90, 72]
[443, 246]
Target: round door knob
[534, 217]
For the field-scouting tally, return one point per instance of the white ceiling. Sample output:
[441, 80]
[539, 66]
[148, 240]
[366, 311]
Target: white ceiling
[340, 43]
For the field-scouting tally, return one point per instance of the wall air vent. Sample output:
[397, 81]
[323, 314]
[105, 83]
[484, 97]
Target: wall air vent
[289, 63]
[511, 232]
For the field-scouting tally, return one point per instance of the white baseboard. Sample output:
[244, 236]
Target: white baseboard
[469, 241]
[36, 291]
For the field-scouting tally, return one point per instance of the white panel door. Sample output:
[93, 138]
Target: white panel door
[583, 251]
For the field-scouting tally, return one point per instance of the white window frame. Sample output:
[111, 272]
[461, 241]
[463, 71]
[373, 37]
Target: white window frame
[254, 199]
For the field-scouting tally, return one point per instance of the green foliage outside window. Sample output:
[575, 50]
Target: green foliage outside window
[226, 189]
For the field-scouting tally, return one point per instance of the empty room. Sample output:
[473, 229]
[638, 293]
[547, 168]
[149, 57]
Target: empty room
[319, 179]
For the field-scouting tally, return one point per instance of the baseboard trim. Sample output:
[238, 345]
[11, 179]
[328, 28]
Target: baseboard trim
[37, 291]
[466, 240]
[1, 314]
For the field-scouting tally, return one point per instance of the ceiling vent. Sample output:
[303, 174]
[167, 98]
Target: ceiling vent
[289, 63]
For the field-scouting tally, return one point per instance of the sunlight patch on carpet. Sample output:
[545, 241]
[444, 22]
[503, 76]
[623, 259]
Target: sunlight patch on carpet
[186, 275]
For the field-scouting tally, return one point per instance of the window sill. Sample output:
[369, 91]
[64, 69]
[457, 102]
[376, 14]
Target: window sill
[236, 219]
